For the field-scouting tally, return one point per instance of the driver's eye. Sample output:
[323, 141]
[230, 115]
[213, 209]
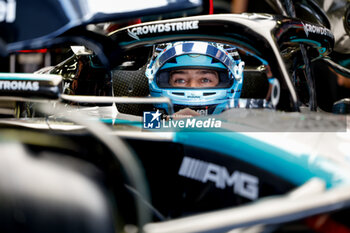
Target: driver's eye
[205, 80]
[179, 81]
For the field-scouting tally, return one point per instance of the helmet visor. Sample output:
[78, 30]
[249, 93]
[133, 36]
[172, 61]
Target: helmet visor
[194, 78]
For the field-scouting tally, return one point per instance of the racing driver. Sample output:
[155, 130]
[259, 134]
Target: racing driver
[199, 77]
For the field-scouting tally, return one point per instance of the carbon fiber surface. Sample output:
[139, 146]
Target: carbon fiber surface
[255, 84]
[131, 83]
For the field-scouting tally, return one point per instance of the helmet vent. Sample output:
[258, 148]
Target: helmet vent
[178, 93]
[209, 93]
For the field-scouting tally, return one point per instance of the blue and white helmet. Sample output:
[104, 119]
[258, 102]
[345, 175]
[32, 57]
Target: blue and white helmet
[222, 58]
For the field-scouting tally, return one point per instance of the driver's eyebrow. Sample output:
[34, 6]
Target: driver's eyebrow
[198, 71]
[206, 71]
[177, 72]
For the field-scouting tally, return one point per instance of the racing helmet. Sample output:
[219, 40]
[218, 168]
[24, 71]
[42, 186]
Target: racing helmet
[184, 56]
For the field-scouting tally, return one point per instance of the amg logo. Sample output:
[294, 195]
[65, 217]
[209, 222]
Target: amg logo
[19, 86]
[243, 184]
[7, 11]
[167, 27]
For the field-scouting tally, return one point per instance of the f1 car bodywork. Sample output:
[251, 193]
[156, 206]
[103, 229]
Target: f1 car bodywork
[260, 168]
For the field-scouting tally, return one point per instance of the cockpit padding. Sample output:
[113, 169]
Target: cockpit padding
[134, 83]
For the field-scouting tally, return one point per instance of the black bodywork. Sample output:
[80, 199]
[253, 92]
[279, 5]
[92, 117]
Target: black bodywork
[173, 193]
[271, 52]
